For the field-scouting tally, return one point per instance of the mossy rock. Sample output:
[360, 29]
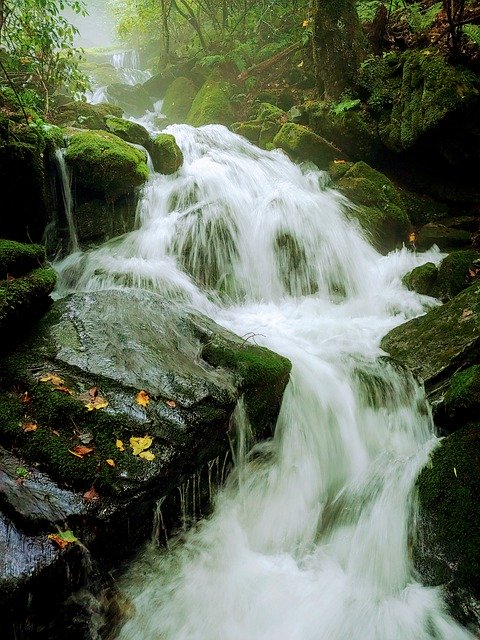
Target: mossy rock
[84, 115]
[212, 104]
[446, 238]
[99, 220]
[167, 157]
[461, 402]
[249, 130]
[127, 130]
[441, 342]
[422, 279]
[264, 127]
[17, 258]
[447, 553]
[101, 73]
[178, 99]
[421, 209]
[430, 90]
[302, 144]
[103, 163]
[454, 274]
[24, 298]
[133, 100]
[380, 209]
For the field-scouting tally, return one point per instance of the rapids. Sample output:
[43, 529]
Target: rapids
[310, 538]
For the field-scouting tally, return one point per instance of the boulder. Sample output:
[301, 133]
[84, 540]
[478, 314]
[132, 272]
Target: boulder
[301, 143]
[262, 129]
[83, 115]
[103, 163]
[98, 220]
[461, 401]
[178, 99]
[134, 100]
[109, 376]
[446, 238]
[166, 155]
[456, 272]
[127, 130]
[447, 550]
[379, 208]
[422, 279]
[212, 104]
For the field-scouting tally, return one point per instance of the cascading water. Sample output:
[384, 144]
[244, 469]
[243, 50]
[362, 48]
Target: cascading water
[127, 64]
[310, 538]
[65, 182]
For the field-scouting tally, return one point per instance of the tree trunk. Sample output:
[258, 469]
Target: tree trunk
[337, 47]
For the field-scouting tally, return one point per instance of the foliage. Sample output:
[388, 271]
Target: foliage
[39, 43]
[472, 31]
[421, 19]
[345, 105]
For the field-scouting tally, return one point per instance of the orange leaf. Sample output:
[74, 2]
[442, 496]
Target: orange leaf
[63, 389]
[91, 495]
[142, 398]
[110, 462]
[51, 377]
[63, 538]
[171, 403]
[81, 450]
[26, 397]
[29, 426]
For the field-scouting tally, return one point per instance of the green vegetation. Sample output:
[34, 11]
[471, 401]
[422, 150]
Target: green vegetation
[454, 273]
[127, 130]
[422, 279]
[212, 104]
[303, 144]
[17, 258]
[102, 162]
[462, 399]
[166, 155]
[178, 99]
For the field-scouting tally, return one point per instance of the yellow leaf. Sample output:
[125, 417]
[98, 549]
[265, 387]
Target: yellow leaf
[142, 398]
[29, 426]
[120, 446]
[110, 462]
[147, 455]
[140, 444]
[51, 377]
[455, 472]
[300, 64]
[305, 23]
[96, 403]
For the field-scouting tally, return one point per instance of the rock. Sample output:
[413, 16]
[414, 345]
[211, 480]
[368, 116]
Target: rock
[212, 104]
[103, 163]
[157, 85]
[17, 258]
[421, 209]
[460, 403]
[249, 130]
[380, 209]
[127, 130]
[264, 127]
[447, 552]
[101, 73]
[83, 115]
[456, 273]
[134, 100]
[440, 343]
[446, 238]
[166, 155]
[178, 99]
[422, 279]
[300, 143]
[97, 221]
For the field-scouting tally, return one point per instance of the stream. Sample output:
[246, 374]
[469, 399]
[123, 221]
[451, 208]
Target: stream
[310, 538]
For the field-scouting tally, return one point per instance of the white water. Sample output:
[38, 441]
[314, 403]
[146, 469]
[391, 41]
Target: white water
[311, 538]
[66, 182]
[127, 66]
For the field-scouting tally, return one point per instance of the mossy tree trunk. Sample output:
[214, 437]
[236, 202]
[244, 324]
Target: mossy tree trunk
[337, 49]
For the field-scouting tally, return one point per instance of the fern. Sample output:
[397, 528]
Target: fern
[212, 61]
[345, 105]
[367, 9]
[421, 20]
[472, 31]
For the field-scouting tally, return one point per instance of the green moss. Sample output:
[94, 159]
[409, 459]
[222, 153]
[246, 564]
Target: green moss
[167, 156]
[303, 144]
[17, 258]
[422, 279]
[453, 273]
[178, 99]
[21, 298]
[249, 130]
[212, 104]
[421, 209]
[380, 213]
[448, 490]
[127, 130]
[102, 162]
[462, 400]
[84, 115]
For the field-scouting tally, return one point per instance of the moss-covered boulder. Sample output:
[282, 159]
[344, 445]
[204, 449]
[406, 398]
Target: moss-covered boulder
[99, 220]
[301, 143]
[447, 552]
[422, 279]
[100, 73]
[17, 258]
[441, 342]
[380, 210]
[212, 104]
[456, 272]
[421, 209]
[103, 163]
[167, 157]
[250, 130]
[83, 115]
[178, 99]
[460, 404]
[262, 129]
[127, 130]
[446, 238]
[133, 100]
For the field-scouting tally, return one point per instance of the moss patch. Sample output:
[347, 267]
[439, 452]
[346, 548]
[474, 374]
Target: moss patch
[167, 156]
[454, 274]
[462, 400]
[102, 162]
[84, 115]
[17, 258]
[178, 99]
[212, 104]
[127, 130]
[422, 279]
[303, 144]
[22, 297]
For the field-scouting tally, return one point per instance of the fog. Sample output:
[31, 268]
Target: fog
[97, 29]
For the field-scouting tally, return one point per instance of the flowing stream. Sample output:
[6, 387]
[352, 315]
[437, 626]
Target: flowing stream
[310, 539]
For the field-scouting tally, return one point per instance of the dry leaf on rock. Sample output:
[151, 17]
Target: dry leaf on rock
[171, 403]
[147, 455]
[51, 377]
[91, 495]
[120, 446]
[140, 444]
[29, 427]
[142, 398]
[80, 451]
[110, 462]
[63, 538]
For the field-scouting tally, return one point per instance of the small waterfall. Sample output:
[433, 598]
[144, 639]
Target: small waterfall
[127, 64]
[65, 181]
[310, 538]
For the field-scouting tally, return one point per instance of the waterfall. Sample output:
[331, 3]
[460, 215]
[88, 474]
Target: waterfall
[67, 198]
[127, 64]
[310, 539]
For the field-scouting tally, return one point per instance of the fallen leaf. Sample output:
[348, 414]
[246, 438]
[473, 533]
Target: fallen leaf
[305, 23]
[85, 438]
[63, 389]
[120, 446]
[91, 495]
[467, 313]
[26, 397]
[110, 462]
[147, 455]
[10, 278]
[171, 403]
[455, 472]
[96, 403]
[142, 398]
[473, 273]
[81, 450]
[339, 162]
[140, 444]
[63, 538]
[51, 377]
[55, 432]
[29, 426]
